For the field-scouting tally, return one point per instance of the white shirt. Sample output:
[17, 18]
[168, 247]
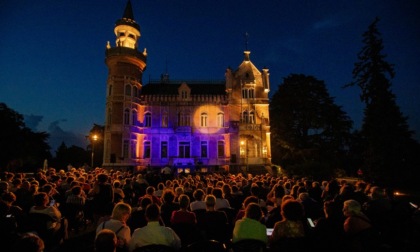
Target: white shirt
[154, 233]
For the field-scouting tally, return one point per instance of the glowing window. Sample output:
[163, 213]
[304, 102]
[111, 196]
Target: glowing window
[203, 120]
[220, 119]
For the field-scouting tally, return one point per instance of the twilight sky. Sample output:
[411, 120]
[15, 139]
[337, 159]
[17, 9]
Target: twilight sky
[52, 52]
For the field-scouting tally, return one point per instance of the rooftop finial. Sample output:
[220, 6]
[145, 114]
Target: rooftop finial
[246, 41]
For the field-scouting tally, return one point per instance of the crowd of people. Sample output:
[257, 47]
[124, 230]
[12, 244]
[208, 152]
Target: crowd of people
[134, 210]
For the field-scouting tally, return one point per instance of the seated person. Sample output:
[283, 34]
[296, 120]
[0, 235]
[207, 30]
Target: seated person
[214, 224]
[153, 232]
[117, 223]
[29, 242]
[106, 241]
[250, 227]
[42, 206]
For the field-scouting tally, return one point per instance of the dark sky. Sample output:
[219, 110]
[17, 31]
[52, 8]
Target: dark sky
[52, 52]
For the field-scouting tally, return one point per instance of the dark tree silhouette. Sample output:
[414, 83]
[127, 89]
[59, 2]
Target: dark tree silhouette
[310, 133]
[20, 148]
[386, 145]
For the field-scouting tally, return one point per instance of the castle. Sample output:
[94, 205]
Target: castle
[187, 125]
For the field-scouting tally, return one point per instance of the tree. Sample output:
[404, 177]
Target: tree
[20, 148]
[76, 156]
[309, 132]
[386, 145]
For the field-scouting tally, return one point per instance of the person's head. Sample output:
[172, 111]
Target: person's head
[102, 178]
[253, 211]
[8, 197]
[152, 212]
[210, 201]
[292, 210]
[150, 190]
[351, 207]
[217, 192]
[184, 201]
[250, 199]
[145, 201]
[29, 242]
[198, 194]
[41, 199]
[76, 190]
[106, 241]
[121, 211]
[168, 195]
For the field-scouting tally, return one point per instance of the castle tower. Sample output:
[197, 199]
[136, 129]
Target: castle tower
[248, 90]
[125, 71]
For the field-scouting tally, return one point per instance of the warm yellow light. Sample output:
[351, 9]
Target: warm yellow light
[95, 137]
[242, 142]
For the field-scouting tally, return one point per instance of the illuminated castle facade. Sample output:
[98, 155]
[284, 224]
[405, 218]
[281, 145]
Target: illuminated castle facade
[189, 125]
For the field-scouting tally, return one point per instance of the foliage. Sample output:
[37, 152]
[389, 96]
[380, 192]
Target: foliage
[74, 155]
[20, 148]
[310, 133]
[389, 154]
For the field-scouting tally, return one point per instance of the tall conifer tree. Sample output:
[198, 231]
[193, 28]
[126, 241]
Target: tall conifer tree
[387, 147]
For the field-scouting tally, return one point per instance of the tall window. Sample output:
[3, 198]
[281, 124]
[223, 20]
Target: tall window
[203, 149]
[220, 148]
[110, 90]
[134, 117]
[184, 149]
[125, 148]
[220, 120]
[126, 116]
[247, 93]
[203, 120]
[251, 117]
[148, 119]
[183, 119]
[165, 119]
[128, 90]
[109, 118]
[146, 149]
[164, 149]
[184, 94]
[133, 149]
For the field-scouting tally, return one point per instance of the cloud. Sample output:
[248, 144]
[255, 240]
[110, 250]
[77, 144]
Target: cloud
[33, 121]
[58, 136]
[325, 24]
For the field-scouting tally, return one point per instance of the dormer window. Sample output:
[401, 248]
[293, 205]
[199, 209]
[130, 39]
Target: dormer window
[184, 94]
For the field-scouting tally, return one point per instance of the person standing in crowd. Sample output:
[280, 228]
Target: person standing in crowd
[102, 193]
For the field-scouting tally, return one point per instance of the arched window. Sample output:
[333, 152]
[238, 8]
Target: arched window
[128, 90]
[126, 116]
[220, 119]
[203, 120]
[245, 117]
[251, 117]
[134, 117]
[148, 119]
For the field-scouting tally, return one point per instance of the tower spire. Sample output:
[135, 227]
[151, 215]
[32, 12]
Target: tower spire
[246, 35]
